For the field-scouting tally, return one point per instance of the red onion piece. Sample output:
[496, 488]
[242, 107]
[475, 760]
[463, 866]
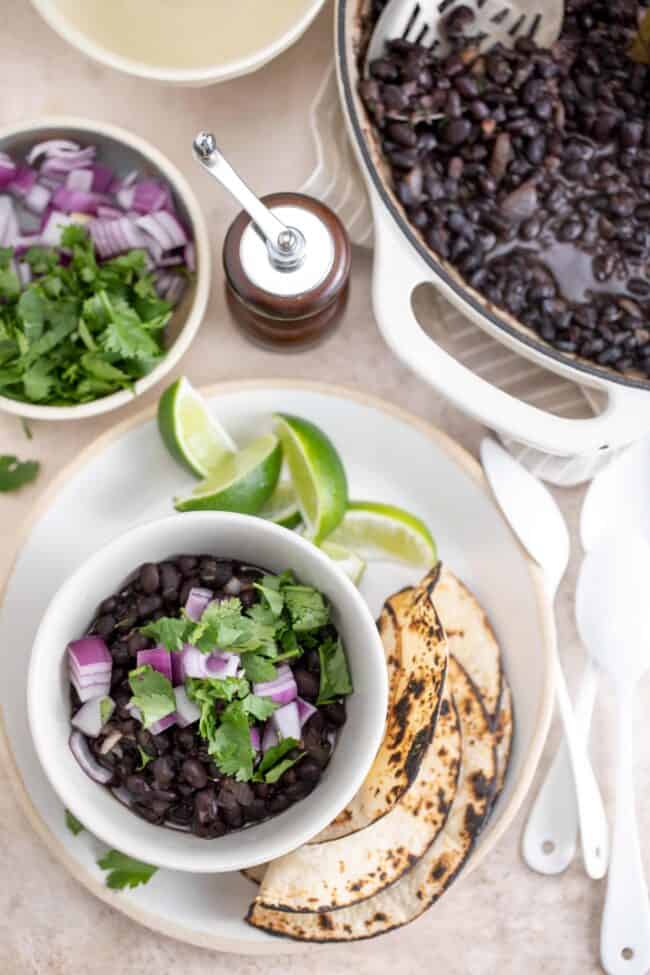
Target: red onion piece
[102, 178]
[76, 201]
[52, 147]
[79, 179]
[162, 724]
[54, 227]
[269, 738]
[85, 692]
[233, 587]
[178, 670]
[24, 179]
[8, 222]
[197, 601]
[93, 715]
[194, 662]
[81, 751]
[286, 721]
[305, 711]
[187, 711]
[7, 169]
[38, 198]
[222, 665]
[255, 739]
[282, 690]
[159, 658]
[106, 212]
[149, 195]
[90, 655]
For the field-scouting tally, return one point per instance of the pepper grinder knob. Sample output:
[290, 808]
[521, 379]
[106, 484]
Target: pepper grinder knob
[286, 259]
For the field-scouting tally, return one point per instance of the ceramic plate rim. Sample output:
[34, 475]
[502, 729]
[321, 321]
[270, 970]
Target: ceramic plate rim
[459, 456]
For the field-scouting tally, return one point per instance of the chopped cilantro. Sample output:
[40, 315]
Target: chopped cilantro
[145, 758]
[259, 708]
[153, 694]
[168, 632]
[269, 768]
[73, 823]
[258, 669]
[79, 330]
[307, 608]
[124, 871]
[335, 678]
[231, 743]
[15, 473]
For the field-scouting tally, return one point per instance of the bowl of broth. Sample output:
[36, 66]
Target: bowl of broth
[182, 42]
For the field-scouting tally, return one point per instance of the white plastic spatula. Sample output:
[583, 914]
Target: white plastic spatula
[617, 503]
[613, 613]
[537, 521]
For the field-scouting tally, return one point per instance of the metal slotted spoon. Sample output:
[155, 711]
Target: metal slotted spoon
[493, 21]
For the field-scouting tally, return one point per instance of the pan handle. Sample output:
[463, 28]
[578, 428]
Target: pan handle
[397, 272]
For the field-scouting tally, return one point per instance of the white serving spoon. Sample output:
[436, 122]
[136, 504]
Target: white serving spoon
[537, 521]
[494, 21]
[617, 503]
[613, 613]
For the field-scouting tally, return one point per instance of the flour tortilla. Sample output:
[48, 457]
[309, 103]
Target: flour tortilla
[434, 872]
[255, 874]
[504, 729]
[414, 703]
[329, 876]
[470, 637]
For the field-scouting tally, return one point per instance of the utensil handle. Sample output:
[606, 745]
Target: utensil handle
[591, 812]
[551, 832]
[397, 271]
[625, 931]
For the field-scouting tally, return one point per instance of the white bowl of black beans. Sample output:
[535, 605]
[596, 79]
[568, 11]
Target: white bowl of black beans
[517, 181]
[218, 824]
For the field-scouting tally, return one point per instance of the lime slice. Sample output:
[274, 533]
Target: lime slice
[282, 506]
[351, 563]
[191, 434]
[317, 474]
[383, 531]
[243, 482]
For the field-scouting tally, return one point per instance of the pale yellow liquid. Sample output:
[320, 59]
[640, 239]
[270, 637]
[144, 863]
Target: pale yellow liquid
[182, 33]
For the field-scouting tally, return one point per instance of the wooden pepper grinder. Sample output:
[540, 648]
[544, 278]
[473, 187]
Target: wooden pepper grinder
[286, 258]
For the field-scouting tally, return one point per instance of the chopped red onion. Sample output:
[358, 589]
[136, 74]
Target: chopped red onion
[282, 690]
[112, 237]
[269, 738]
[178, 670]
[149, 195]
[102, 178]
[23, 181]
[7, 169]
[194, 662]
[286, 721]
[90, 655]
[86, 691]
[81, 751]
[222, 665]
[159, 658]
[164, 228]
[38, 198]
[197, 601]
[162, 724]
[106, 212]
[135, 712]
[52, 147]
[55, 225]
[76, 201]
[305, 711]
[8, 222]
[93, 715]
[233, 587]
[187, 711]
[255, 739]
[79, 179]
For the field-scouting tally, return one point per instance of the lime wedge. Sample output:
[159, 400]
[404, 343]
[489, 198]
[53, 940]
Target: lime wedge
[282, 506]
[191, 434]
[317, 475]
[243, 482]
[382, 531]
[352, 564]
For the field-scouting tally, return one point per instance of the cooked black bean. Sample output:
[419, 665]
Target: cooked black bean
[335, 713]
[309, 770]
[149, 577]
[187, 564]
[308, 684]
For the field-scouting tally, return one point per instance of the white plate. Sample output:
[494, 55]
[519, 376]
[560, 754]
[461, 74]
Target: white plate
[127, 478]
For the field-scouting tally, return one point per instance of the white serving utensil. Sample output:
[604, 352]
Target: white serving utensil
[495, 21]
[613, 614]
[617, 502]
[537, 521]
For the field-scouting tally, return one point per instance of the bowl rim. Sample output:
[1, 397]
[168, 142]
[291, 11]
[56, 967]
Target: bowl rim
[507, 811]
[189, 76]
[199, 303]
[211, 859]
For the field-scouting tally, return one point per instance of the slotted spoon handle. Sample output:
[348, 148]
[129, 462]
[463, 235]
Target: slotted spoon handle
[397, 272]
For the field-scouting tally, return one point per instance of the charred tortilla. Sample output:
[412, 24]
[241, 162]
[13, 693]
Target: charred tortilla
[434, 872]
[417, 685]
[329, 876]
[504, 734]
[470, 637]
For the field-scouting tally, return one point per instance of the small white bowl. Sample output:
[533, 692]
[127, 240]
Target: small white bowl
[191, 77]
[124, 151]
[250, 540]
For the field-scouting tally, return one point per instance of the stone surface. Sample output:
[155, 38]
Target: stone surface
[503, 920]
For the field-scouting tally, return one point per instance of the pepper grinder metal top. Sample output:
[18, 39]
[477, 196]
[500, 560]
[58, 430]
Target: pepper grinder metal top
[286, 259]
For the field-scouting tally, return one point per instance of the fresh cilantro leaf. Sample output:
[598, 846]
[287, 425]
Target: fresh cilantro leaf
[231, 743]
[335, 680]
[106, 708]
[73, 823]
[169, 632]
[32, 309]
[273, 757]
[14, 473]
[153, 694]
[145, 758]
[307, 608]
[272, 595]
[259, 708]
[278, 770]
[124, 871]
[206, 692]
[125, 334]
[224, 625]
[258, 669]
[9, 284]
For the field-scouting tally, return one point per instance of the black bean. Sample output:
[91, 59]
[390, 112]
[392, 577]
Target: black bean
[255, 810]
[149, 577]
[215, 574]
[187, 565]
[205, 805]
[457, 131]
[309, 770]
[279, 803]
[308, 683]
[104, 625]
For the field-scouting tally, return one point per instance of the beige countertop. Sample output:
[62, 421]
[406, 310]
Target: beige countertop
[503, 919]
